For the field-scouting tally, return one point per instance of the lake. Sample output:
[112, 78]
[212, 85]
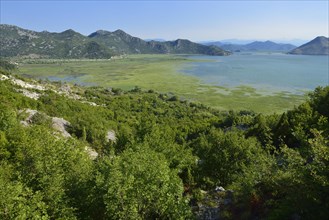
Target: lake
[267, 72]
[265, 83]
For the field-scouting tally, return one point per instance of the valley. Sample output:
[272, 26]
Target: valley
[110, 126]
[206, 74]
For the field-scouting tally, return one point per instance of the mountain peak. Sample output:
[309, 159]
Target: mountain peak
[69, 33]
[119, 31]
[317, 46]
[99, 33]
[320, 39]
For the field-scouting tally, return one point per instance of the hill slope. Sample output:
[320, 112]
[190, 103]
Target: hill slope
[318, 46]
[15, 41]
[70, 152]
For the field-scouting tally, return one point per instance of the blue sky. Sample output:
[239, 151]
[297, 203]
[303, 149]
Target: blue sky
[194, 20]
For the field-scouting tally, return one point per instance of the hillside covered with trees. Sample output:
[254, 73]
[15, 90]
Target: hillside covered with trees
[70, 152]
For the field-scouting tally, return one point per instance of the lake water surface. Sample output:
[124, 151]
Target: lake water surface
[264, 71]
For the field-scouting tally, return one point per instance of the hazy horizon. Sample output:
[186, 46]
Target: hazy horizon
[278, 21]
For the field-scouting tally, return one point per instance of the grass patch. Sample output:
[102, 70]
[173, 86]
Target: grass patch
[160, 73]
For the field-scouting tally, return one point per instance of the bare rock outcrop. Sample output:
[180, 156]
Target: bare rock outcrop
[30, 113]
[60, 125]
[91, 152]
[110, 136]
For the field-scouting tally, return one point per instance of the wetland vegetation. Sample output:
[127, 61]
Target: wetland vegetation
[162, 73]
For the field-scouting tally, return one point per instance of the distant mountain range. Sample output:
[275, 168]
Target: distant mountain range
[16, 41]
[317, 46]
[296, 42]
[254, 46]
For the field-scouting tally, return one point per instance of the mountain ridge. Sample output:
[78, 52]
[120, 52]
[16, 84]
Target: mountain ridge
[255, 46]
[16, 41]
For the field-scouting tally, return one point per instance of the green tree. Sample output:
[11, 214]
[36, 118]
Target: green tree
[262, 131]
[140, 185]
[289, 185]
[320, 100]
[47, 170]
[224, 155]
[18, 201]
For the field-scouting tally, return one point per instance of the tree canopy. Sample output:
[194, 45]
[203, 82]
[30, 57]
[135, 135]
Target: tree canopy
[167, 155]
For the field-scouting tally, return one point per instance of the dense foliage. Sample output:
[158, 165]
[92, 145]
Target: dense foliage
[167, 153]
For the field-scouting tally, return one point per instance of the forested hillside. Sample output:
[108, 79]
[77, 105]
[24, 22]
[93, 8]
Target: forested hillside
[70, 152]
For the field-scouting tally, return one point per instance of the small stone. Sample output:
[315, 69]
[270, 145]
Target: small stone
[219, 189]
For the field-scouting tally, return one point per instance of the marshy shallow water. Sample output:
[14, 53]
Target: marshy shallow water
[267, 72]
